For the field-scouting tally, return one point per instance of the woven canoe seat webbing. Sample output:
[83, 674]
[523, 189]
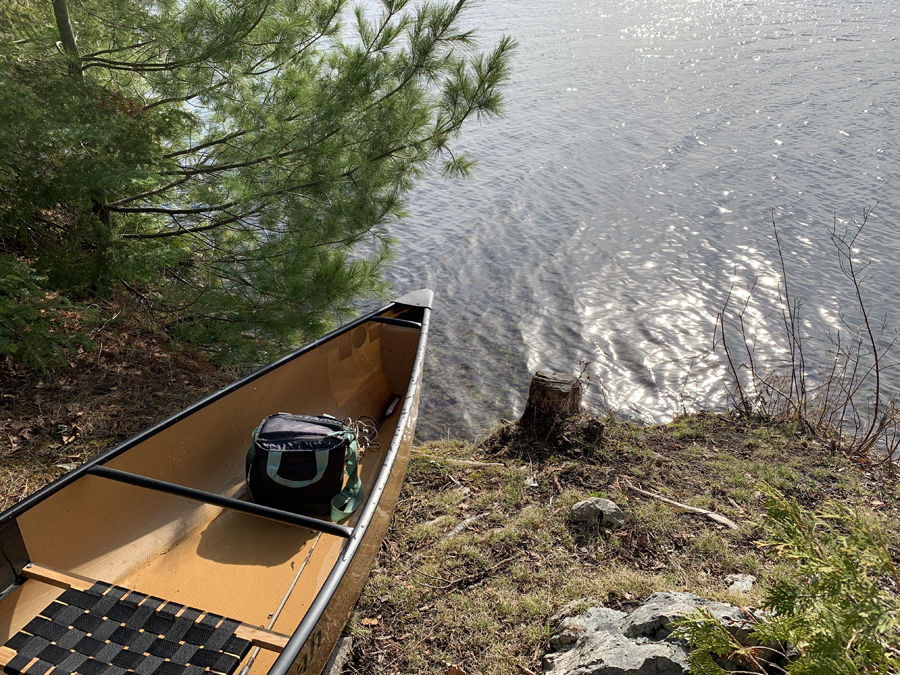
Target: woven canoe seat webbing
[109, 630]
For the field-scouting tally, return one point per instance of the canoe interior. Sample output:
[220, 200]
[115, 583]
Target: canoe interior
[222, 561]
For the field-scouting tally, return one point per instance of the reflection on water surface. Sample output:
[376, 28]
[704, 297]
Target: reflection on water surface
[647, 146]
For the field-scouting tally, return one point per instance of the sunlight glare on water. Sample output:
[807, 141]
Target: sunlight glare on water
[647, 146]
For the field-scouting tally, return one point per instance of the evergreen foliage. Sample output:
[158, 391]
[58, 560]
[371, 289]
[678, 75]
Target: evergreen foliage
[30, 328]
[838, 613]
[233, 164]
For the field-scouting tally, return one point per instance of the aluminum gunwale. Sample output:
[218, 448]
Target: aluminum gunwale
[61, 482]
[295, 645]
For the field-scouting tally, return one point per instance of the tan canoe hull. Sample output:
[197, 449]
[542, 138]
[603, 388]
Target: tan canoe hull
[215, 558]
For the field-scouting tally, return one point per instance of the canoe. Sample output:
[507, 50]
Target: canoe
[151, 558]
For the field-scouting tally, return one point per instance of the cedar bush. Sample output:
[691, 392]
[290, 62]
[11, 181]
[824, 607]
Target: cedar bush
[837, 613]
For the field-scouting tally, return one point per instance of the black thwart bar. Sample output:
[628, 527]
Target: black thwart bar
[225, 502]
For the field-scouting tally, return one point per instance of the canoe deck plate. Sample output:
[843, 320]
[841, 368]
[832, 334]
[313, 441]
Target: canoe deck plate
[109, 630]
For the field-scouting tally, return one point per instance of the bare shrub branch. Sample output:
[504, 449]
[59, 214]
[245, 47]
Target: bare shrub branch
[849, 407]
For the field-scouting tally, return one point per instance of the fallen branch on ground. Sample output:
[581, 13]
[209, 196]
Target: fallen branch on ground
[478, 575]
[712, 515]
[463, 524]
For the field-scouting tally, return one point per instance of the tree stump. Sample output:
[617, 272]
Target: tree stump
[553, 394]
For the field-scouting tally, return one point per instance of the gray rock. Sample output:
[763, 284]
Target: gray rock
[569, 609]
[339, 656]
[598, 511]
[740, 583]
[571, 628]
[653, 619]
[604, 641]
[604, 653]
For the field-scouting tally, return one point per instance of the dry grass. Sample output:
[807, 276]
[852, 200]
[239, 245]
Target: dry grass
[482, 600]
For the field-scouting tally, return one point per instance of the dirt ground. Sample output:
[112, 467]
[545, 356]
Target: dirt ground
[135, 376]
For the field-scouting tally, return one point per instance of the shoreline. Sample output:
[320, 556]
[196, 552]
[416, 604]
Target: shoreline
[482, 552]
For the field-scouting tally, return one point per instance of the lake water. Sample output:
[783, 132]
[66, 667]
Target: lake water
[647, 146]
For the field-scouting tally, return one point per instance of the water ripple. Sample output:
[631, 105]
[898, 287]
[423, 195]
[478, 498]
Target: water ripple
[632, 186]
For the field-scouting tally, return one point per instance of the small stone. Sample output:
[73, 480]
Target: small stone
[598, 511]
[593, 430]
[740, 583]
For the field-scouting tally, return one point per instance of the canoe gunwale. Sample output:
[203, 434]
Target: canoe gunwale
[61, 482]
[295, 645]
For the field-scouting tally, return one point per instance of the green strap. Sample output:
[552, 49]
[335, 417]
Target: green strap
[349, 499]
[274, 463]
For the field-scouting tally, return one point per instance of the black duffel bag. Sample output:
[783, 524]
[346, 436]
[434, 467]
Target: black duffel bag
[297, 463]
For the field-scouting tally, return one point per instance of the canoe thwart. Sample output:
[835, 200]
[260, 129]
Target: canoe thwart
[97, 628]
[226, 502]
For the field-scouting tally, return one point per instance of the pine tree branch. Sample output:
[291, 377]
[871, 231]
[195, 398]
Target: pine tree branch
[205, 55]
[118, 49]
[149, 193]
[186, 97]
[173, 212]
[208, 144]
[416, 68]
[189, 230]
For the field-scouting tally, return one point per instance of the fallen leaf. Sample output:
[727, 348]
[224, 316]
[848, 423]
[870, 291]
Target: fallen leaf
[455, 670]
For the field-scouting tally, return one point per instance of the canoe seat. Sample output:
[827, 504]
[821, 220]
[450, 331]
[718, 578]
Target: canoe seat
[109, 630]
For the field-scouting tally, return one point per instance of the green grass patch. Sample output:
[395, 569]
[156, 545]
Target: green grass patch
[483, 599]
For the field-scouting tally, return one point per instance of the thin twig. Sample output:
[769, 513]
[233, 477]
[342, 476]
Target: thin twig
[480, 574]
